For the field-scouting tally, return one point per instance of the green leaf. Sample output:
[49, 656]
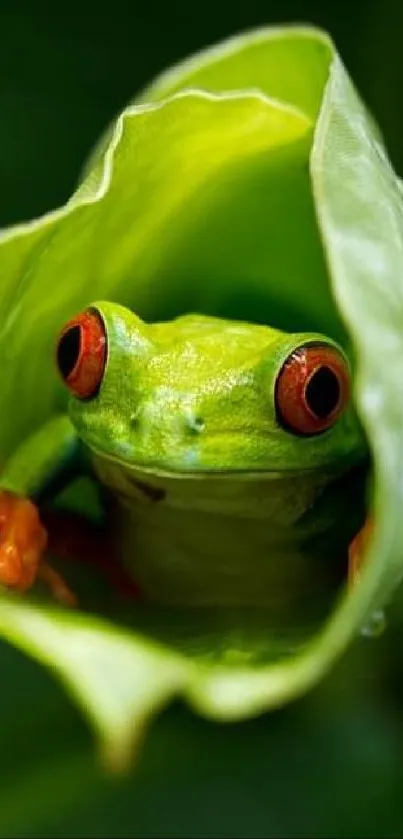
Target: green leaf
[360, 213]
[288, 64]
[249, 182]
[140, 676]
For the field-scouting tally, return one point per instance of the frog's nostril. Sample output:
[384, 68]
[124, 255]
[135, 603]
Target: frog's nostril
[134, 418]
[195, 424]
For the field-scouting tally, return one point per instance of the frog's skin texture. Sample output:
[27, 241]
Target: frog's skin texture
[211, 497]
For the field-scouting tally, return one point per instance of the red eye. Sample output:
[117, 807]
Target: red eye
[81, 354]
[312, 389]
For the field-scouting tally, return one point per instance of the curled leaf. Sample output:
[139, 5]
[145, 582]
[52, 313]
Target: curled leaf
[249, 182]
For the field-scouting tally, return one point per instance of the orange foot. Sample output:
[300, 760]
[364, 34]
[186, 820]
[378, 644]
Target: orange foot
[24, 541]
[357, 551]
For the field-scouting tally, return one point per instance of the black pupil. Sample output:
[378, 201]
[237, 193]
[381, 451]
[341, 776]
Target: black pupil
[323, 392]
[68, 351]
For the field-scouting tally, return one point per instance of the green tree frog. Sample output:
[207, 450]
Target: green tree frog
[229, 455]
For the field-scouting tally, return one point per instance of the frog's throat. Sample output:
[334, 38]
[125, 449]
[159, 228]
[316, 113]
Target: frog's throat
[248, 541]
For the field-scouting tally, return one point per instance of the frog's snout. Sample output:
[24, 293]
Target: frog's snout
[176, 416]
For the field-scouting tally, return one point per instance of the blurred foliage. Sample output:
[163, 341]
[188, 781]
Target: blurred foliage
[66, 69]
[330, 765]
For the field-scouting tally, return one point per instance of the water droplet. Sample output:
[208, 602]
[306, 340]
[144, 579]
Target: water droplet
[375, 626]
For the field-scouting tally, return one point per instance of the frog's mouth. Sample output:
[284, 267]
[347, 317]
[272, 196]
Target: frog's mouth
[153, 485]
[152, 474]
[150, 491]
[154, 492]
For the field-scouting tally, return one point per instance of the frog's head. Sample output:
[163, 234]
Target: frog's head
[204, 394]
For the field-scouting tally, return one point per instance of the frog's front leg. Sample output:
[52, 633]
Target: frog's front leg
[46, 459]
[357, 551]
[45, 463]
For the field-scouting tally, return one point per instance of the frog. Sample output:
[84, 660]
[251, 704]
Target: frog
[228, 454]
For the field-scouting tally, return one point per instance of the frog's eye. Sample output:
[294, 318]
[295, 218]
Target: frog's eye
[312, 389]
[81, 354]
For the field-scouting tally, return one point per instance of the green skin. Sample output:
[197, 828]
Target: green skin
[209, 500]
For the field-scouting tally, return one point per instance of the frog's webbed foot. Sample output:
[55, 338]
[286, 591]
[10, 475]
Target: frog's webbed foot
[23, 542]
[357, 551]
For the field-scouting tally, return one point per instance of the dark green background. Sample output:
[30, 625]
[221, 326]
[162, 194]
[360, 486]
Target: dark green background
[329, 765]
